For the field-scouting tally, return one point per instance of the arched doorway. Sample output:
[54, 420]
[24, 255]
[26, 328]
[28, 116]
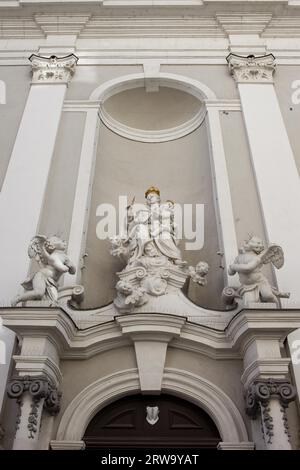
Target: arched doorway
[143, 421]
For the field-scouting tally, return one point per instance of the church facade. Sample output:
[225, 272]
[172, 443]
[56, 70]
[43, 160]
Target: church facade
[149, 201]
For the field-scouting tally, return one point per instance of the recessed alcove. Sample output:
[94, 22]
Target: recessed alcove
[153, 111]
[127, 164]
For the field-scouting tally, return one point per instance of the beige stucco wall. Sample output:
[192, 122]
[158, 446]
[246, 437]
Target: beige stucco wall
[226, 374]
[157, 110]
[60, 192]
[88, 77]
[284, 76]
[79, 374]
[17, 83]
[245, 199]
[216, 77]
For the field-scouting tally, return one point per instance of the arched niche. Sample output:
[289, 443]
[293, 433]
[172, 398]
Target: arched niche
[174, 157]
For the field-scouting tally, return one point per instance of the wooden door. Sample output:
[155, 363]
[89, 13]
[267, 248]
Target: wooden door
[135, 421]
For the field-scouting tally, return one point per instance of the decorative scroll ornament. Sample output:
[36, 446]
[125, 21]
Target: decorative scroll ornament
[261, 391]
[252, 69]
[152, 414]
[52, 69]
[258, 397]
[149, 246]
[38, 387]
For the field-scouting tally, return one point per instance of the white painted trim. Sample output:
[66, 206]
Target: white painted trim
[184, 384]
[171, 80]
[222, 194]
[130, 57]
[224, 105]
[277, 179]
[77, 237]
[80, 105]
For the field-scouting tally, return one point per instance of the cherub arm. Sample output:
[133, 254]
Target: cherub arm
[70, 265]
[45, 256]
[246, 268]
[130, 213]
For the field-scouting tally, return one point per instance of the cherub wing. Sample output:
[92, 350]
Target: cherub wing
[35, 249]
[273, 254]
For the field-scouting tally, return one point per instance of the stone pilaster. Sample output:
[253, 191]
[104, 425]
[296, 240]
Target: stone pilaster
[273, 161]
[34, 395]
[252, 69]
[269, 399]
[29, 166]
[52, 69]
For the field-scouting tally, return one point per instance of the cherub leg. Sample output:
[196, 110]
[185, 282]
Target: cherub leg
[266, 293]
[37, 293]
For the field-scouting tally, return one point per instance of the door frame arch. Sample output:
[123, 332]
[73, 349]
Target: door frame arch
[89, 401]
[222, 195]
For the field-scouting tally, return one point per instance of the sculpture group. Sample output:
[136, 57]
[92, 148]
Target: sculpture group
[154, 267]
[149, 247]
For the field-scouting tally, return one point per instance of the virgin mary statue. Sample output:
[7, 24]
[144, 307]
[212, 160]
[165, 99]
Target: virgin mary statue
[155, 225]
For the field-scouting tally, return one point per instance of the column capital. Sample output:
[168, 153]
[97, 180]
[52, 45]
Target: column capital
[251, 69]
[38, 387]
[261, 391]
[52, 69]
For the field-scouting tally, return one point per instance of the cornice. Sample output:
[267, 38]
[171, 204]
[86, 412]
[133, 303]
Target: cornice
[73, 343]
[262, 323]
[119, 23]
[265, 367]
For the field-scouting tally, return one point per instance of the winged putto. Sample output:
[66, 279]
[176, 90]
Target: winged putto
[50, 254]
[255, 287]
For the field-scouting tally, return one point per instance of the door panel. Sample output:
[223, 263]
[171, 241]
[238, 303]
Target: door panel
[178, 423]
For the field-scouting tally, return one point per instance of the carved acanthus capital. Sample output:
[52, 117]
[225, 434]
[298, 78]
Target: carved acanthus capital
[52, 69]
[38, 387]
[252, 69]
[261, 391]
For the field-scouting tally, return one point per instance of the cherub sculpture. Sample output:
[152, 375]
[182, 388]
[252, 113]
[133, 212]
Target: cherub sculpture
[255, 287]
[50, 253]
[199, 272]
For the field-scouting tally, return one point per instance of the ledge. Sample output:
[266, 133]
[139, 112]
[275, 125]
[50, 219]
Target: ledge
[73, 343]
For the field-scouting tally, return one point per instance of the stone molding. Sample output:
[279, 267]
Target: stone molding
[67, 445]
[106, 332]
[276, 367]
[189, 386]
[88, 25]
[38, 387]
[52, 69]
[261, 391]
[154, 136]
[251, 69]
[236, 445]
